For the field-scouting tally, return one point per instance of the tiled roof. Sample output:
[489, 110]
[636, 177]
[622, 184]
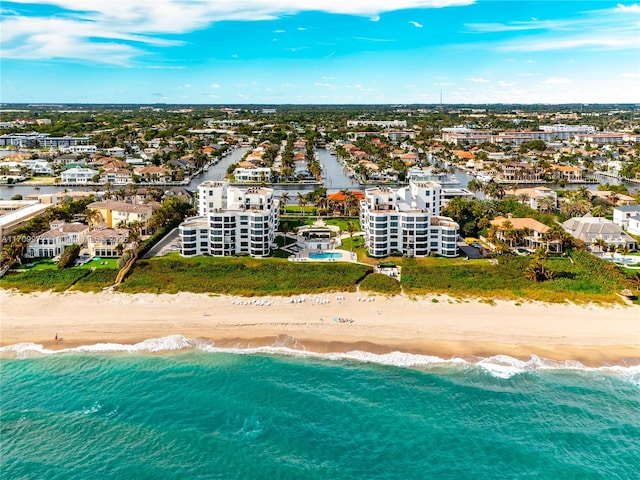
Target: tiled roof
[520, 223]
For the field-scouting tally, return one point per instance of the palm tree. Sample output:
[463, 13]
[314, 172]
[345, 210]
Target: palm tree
[14, 250]
[346, 192]
[536, 270]
[547, 204]
[613, 198]
[598, 211]
[351, 228]
[302, 202]
[93, 217]
[601, 244]
[474, 185]
[284, 198]
[526, 233]
[583, 193]
[321, 204]
[351, 203]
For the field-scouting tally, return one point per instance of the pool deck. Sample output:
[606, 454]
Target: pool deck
[303, 256]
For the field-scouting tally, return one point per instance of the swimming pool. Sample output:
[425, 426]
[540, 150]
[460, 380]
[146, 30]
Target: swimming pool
[324, 255]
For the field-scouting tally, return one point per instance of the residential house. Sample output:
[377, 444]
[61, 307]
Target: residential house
[589, 229]
[115, 213]
[59, 236]
[519, 172]
[529, 233]
[627, 218]
[78, 175]
[116, 176]
[613, 197]
[252, 174]
[532, 196]
[108, 242]
[153, 174]
[567, 172]
[116, 152]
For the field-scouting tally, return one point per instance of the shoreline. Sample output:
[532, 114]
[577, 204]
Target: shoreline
[438, 326]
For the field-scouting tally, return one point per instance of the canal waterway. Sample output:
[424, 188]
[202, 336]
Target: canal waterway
[334, 177]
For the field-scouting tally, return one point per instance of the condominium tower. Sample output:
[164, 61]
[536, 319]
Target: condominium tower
[231, 221]
[407, 220]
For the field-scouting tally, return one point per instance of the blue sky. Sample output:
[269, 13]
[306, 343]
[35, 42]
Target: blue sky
[320, 51]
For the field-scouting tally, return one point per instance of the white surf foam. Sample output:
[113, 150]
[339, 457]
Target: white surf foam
[499, 366]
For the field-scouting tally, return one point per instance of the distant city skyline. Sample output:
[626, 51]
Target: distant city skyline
[320, 52]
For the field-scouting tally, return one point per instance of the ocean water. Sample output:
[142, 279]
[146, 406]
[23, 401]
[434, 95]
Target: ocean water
[150, 412]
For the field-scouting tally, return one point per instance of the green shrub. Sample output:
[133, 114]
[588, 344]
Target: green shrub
[69, 256]
[240, 276]
[378, 282]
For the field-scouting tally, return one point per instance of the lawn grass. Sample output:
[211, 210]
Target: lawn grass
[43, 274]
[240, 276]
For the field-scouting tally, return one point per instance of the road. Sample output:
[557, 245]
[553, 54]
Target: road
[170, 243]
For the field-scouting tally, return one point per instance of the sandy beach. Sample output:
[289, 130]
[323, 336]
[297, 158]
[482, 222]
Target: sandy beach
[439, 326]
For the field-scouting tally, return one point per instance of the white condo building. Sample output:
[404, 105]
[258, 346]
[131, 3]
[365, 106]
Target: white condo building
[231, 221]
[407, 220]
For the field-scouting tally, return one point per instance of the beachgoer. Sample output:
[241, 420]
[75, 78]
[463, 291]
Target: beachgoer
[56, 337]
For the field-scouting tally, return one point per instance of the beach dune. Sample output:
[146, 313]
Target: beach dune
[440, 326]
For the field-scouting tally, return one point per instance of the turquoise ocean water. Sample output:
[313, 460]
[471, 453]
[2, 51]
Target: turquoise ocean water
[127, 412]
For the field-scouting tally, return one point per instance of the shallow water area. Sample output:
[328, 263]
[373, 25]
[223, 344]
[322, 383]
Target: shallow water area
[274, 412]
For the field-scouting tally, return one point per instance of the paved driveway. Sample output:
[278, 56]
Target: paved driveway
[170, 243]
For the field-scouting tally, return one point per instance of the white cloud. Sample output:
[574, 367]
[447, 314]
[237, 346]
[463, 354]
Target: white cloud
[557, 81]
[592, 30]
[635, 8]
[186, 85]
[215, 85]
[631, 75]
[526, 74]
[478, 80]
[79, 31]
[415, 24]
[503, 83]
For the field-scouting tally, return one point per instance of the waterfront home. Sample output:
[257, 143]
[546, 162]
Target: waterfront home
[153, 174]
[252, 174]
[532, 197]
[627, 217]
[78, 175]
[589, 229]
[115, 213]
[567, 172]
[116, 176]
[612, 197]
[231, 221]
[108, 242]
[526, 233]
[59, 236]
[519, 172]
[407, 221]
